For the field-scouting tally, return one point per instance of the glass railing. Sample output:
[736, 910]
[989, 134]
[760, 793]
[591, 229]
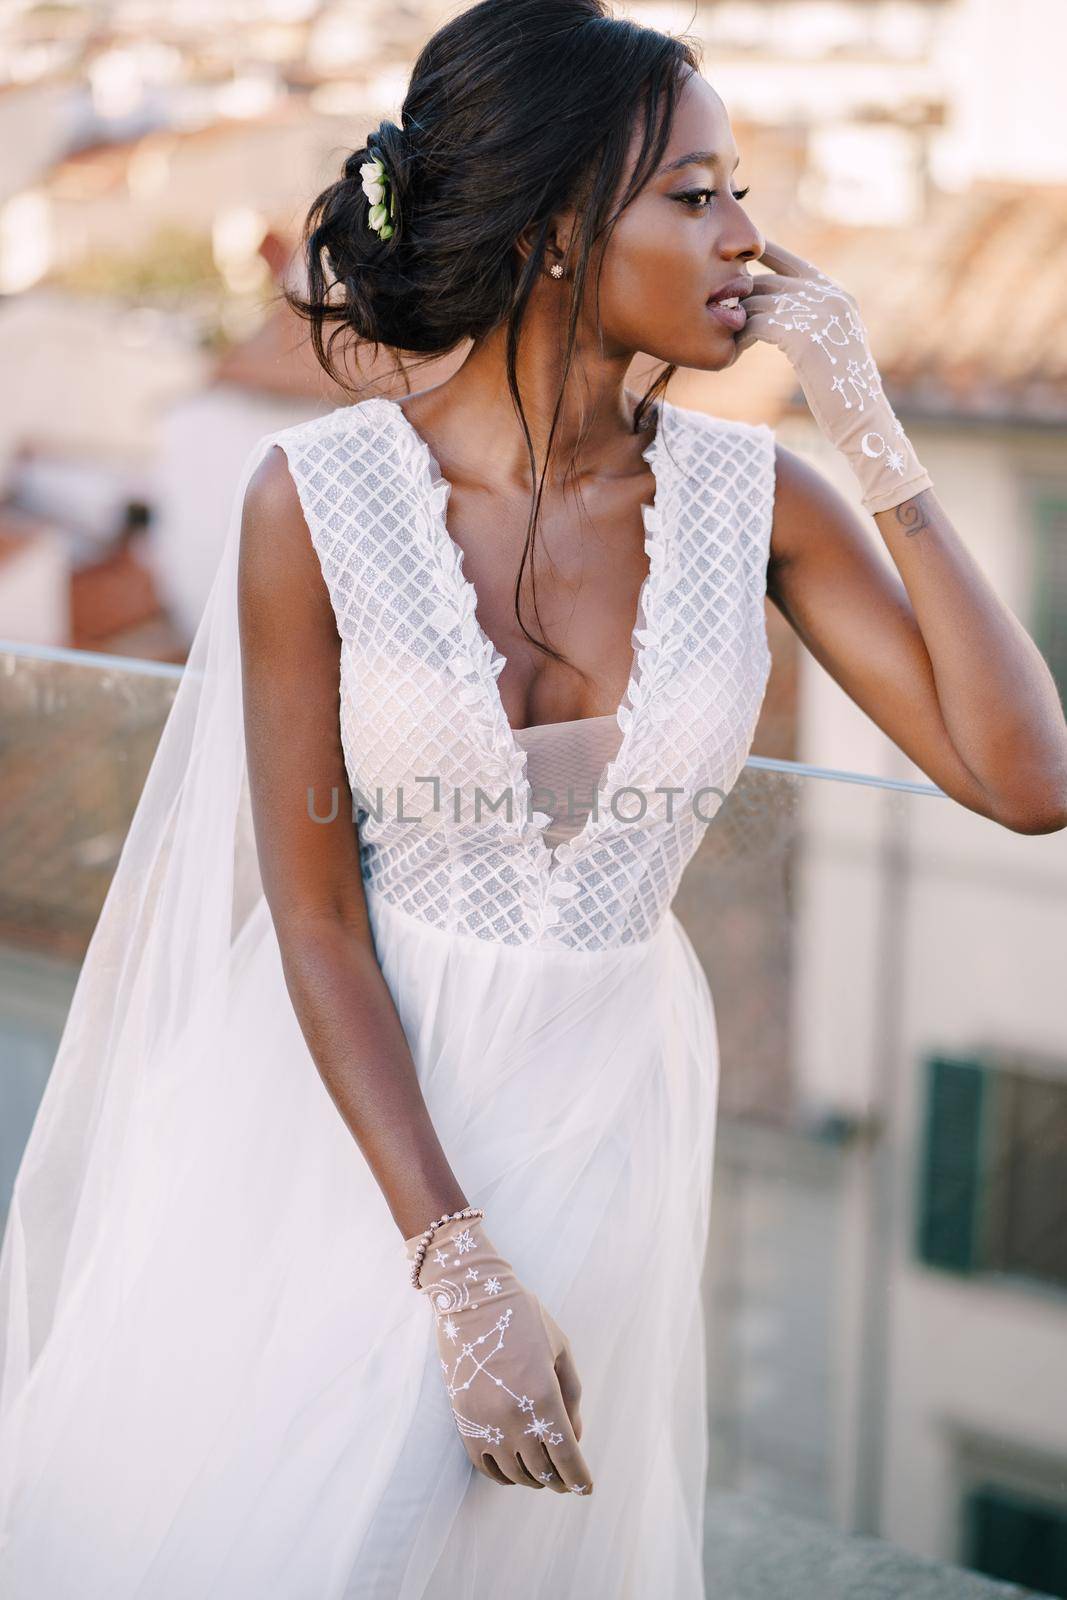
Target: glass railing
[886, 1278]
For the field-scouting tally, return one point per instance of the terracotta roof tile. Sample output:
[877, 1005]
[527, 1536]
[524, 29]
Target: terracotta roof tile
[115, 597]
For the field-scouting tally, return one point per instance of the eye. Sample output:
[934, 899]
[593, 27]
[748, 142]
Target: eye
[691, 196]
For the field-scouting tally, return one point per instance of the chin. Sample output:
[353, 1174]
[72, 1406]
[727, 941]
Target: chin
[711, 354]
[716, 355]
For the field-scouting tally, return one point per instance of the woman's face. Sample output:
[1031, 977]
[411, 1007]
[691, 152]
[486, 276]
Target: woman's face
[681, 240]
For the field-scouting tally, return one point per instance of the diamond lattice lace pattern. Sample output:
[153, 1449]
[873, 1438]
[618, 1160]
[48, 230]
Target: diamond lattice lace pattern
[423, 727]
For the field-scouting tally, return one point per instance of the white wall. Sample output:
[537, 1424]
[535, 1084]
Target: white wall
[35, 591]
[89, 376]
[204, 441]
[1004, 69]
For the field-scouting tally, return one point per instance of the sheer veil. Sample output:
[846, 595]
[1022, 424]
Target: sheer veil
[152, 993]
[216, 1378]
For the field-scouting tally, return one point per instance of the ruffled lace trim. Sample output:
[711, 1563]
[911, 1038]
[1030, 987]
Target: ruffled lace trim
[477, 663]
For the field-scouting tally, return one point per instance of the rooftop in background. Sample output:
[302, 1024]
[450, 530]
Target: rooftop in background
[115, 607]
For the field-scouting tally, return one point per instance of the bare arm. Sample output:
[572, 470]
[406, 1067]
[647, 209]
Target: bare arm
[930, 653]
[290, 655]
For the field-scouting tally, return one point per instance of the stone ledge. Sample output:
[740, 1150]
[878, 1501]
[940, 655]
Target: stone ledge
[754, 1551]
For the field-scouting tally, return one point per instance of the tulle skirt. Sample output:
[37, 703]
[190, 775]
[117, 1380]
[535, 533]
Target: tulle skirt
[243, 1400]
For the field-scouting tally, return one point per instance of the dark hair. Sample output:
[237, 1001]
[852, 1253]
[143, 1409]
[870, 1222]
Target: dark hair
[515, 109]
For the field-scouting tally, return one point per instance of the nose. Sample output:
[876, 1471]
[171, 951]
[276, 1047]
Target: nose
[741, 239]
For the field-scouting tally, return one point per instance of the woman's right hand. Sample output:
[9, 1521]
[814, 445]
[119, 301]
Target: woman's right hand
[507, 1366]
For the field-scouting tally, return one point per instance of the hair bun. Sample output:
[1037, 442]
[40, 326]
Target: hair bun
[389, 141]
[515, 109]
[386, 142]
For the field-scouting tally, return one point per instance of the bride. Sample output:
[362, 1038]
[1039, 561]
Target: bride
[373, 1173]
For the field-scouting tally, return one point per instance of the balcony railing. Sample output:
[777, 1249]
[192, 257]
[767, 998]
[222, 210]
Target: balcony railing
[886, 1280]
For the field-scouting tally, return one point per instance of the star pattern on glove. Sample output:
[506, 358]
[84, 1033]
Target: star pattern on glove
[473, 1361]
[842, 381]
[501, 1344]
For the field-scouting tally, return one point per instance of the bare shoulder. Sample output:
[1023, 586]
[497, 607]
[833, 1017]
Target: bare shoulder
[278, 569]
[275, 538]
[271, 501]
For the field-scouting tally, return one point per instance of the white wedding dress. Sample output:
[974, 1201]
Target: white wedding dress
[228, 1389]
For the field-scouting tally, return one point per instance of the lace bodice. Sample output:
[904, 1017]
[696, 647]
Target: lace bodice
[439, 779]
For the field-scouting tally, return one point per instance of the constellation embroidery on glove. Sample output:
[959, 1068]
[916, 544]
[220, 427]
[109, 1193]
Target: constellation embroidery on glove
[894, 460]
[863, 378]
[446, 1297]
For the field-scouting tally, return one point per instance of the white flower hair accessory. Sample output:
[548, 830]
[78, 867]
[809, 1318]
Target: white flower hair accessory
[379, 191]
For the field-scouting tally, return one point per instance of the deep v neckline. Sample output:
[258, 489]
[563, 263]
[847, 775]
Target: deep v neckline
[479, 651]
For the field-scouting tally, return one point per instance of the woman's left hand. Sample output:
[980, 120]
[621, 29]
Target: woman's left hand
[817, 324]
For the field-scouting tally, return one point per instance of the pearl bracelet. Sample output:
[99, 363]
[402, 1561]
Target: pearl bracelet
[424, 1242]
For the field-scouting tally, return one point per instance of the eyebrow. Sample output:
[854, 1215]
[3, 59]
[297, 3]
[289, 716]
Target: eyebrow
[697, 158]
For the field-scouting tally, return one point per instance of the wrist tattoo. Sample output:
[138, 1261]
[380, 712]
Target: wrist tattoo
[911, 515]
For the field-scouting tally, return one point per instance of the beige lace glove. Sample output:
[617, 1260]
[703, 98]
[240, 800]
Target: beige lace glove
[817, 325]
[508, 1368]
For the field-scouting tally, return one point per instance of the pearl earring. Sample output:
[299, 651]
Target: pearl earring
[556, 270]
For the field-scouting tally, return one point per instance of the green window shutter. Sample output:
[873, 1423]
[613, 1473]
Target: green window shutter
[1026, 1178]
[950, 1181]
[1017, 1538]
[1049, 609]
